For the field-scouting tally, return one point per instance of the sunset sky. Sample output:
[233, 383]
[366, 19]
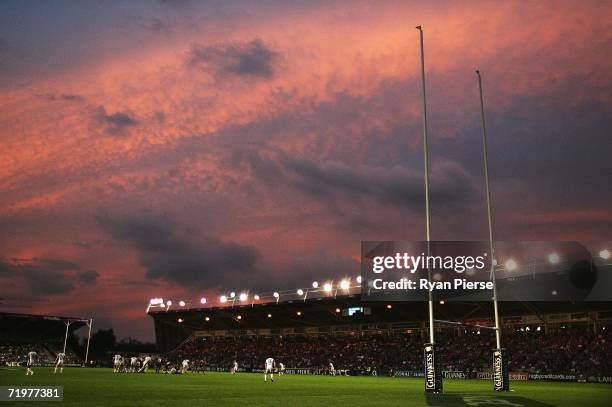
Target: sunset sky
[179, 148]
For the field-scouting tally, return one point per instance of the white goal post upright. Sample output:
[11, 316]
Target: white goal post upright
[433, 375]
[500, 358]
[67, 323]
[89, 324]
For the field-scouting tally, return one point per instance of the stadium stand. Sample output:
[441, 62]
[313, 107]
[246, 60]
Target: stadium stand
[542, 338]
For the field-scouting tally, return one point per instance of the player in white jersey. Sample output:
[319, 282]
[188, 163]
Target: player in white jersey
[145, 364]
[133, 364]
[281, 369]
[185, 365]
[332, 370]
[269, 369]
[59, 362]
[118, 361]
[30, 363]
[234, 368]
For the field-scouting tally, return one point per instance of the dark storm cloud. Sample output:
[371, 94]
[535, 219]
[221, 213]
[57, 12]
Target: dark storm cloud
[115, 122]
[169, 253]
[253, 59]
[56, 264]
[88, 277]
[72, 97]
[67, 97]
[331, 182]
[47, 276]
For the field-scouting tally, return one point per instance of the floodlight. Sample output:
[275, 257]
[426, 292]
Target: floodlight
[162, 305]
[182, 303]
[300, 292]
[269, 315]
[168, 303]
[275, 295]
[337, 310]
[239, 317]
[243, 297]
[554, 258]
[345, 284]
[180, 320]
[389, 306]
[299, 313]
[604, 254]
[223, 298]
[510, 264]
[441, 302]
[256, 297]
[315, 284]
[358, 279]
[207, 319]
[327, 287]
[232, 294]
[202, 300]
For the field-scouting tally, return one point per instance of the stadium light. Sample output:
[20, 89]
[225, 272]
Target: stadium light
[510, 264]
[299, 313]
[168, 303]
[554, 258]
[162, 305]
[358, 279]
[243, 297]
[239, 317]
[223, 298]
[337, 310]
[207, 319]
[269, 315]
[327, 287]
[315, 284]
[276, 294]
[232, 294]
[256, 297]
[345, 284]
[389, 306]
[180, 320]
[182, 303]
[202, 300]
[604, 254]
[441, 302]
[300, 292]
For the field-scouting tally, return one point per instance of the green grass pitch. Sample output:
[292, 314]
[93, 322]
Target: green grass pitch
[102, 387]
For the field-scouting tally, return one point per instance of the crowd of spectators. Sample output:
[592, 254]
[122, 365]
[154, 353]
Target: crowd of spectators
[566, 351]
[12, 353]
